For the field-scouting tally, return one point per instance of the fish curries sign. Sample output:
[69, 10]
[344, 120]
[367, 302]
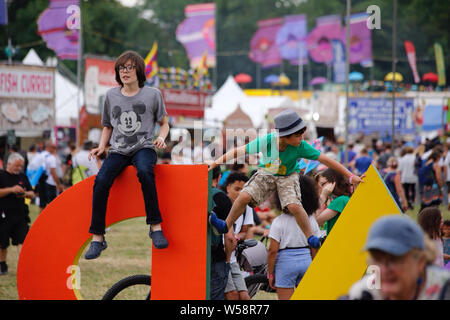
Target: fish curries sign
[27, 97]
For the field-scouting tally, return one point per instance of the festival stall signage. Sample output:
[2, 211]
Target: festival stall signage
[187, 103]
[99, 77]
[375, 115]
[27, 97]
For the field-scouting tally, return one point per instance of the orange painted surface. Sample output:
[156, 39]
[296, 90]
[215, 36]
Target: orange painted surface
[59, 235]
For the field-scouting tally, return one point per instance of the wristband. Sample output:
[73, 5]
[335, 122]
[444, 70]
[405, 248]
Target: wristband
[159, 137]
[351, 178]
[269, 276]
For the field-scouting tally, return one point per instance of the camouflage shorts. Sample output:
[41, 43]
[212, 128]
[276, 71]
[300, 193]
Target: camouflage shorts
[262, 184]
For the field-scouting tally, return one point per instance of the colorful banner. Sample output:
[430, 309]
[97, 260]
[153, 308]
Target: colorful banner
[360, 39]
[339, 65]
[263, 48]
[319, 39]
[58, 25]
[3, 13]
[151, 63]
[439, 64]
[290, 37]
[197, 33]
[411, 54]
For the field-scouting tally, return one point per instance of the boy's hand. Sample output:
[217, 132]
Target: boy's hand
[357, 180]
[160, 143]
[96, 152]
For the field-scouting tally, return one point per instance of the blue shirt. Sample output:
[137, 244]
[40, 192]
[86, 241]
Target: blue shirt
[362, 164]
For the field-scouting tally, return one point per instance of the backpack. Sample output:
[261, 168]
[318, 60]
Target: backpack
[79, 174]
[426, 174]
[74, 175]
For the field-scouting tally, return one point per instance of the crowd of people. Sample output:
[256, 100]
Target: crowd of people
[36, 177]
[294, 208]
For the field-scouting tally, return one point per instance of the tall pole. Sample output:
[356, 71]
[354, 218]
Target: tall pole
[300, 74]
[80, 57]
[347, 71]
[394, 82]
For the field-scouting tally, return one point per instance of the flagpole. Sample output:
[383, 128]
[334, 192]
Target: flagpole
[300, 74]
[347, 70]
[394, 40]
[80, 54]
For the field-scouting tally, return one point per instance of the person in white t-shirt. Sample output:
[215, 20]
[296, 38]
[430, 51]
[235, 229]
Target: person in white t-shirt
[81, 159]
[406, 166]
[53, 170]
[236, 288]
[289, 254]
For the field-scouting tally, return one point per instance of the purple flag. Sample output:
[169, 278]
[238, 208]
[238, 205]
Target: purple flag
[58, 25]
[319, 39]
[3, 13]
[263, 48]
[360, 39]
[197, 33]
[289, 38]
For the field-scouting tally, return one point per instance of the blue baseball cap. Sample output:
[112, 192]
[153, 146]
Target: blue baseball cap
[395, 235]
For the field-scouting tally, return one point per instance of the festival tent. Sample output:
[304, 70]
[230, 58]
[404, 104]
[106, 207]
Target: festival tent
[65, 92]
[226, 100]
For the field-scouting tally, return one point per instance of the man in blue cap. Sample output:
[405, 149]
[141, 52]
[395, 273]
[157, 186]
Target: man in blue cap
[278, 171]
[401, 261]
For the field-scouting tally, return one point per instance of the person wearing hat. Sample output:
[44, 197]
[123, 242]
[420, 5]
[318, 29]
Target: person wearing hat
[278, 171]
[401, 258]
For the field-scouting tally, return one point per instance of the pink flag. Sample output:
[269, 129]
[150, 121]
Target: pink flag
[263, 48]
[411, 53]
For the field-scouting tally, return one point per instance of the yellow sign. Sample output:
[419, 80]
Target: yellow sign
[341, 261]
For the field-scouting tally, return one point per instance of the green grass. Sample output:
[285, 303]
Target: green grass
[128, 253]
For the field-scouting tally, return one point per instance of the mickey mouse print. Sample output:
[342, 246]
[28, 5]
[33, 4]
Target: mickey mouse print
[133, 119]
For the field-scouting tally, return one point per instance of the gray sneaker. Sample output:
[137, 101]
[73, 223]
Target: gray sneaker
[95, 249]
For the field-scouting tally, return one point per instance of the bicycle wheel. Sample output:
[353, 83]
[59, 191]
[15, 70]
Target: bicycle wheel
[139, 279]
[254, 283]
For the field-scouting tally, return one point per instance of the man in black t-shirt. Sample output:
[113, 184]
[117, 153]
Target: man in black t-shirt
[14, 218]
[219, 266]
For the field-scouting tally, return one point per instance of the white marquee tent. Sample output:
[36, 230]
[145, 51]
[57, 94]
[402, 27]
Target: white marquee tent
[226, 100]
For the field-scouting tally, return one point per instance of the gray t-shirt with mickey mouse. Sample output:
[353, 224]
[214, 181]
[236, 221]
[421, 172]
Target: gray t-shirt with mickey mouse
[133, 119]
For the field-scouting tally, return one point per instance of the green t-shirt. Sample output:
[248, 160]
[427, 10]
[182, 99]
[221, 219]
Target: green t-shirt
[280, 163]
[338, 205]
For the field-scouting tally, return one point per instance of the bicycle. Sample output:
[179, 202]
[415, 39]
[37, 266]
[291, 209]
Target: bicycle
[250, 254]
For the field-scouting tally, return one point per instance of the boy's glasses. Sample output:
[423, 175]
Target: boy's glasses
[127, 68]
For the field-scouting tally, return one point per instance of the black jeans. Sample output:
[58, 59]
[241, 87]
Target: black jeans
[410, 192]
[144, 161]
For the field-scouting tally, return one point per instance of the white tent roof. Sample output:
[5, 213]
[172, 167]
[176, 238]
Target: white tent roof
[230, 95]
[65, 92]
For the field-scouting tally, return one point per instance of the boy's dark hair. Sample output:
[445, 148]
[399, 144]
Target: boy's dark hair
[342, 187]
[301, 131]
[447, 223]
[137, 61]
[310, 194]
[216, 172]
[233, 177]
[430, 221]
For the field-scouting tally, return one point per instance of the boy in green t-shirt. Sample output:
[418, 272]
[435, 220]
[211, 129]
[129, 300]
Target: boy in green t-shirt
[278, 170]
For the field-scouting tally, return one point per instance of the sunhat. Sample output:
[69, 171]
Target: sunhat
[288, 122]
[395, 235]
